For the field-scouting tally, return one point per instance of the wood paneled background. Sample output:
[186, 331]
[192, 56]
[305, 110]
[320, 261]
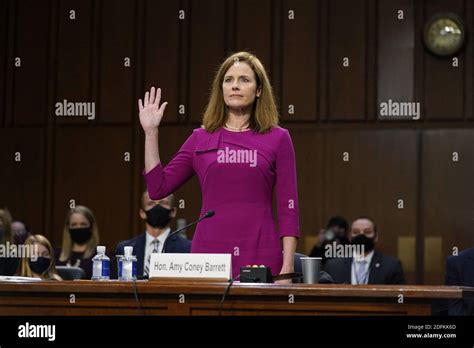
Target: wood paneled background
[335, 111]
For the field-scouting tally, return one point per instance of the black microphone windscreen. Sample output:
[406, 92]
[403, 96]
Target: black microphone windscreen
[209, 213]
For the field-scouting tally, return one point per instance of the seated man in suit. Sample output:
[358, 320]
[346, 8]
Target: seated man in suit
[157, 216]
[370, 268]
[460, 272]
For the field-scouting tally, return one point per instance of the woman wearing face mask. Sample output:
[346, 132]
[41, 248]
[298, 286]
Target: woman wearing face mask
[80, 239]
[43, 266]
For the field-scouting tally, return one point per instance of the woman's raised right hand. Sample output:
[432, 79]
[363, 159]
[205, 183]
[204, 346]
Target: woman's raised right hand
[151, 112]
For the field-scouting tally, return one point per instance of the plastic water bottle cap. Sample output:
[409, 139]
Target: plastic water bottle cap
[128, 250]
[100, 249]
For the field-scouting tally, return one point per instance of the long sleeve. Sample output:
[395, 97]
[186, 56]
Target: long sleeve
[286, 188]
[162, 181]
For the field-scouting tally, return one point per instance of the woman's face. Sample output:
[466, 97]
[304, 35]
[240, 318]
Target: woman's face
[78, 221]
[42, 250]
[240, 86]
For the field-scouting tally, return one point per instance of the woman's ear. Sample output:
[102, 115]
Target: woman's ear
[173, 212]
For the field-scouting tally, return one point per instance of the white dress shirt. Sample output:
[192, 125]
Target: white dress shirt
[355, 266]
[149, 244]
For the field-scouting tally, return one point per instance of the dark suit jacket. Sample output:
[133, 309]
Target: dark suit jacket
[174, 244]
[383, 270]
[460, 272]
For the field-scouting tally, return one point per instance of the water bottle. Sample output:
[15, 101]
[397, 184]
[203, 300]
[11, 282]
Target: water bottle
[128, 265]
[101, 265]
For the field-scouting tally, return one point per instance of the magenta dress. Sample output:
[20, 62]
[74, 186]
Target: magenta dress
[237, 172]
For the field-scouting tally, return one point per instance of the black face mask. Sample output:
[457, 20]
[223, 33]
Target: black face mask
[342, 240]
[40, 265]
[80, 235]
[158, 216]
[366, 242]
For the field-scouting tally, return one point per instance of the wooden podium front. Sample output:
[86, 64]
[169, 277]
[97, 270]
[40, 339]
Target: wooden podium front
[189, 298]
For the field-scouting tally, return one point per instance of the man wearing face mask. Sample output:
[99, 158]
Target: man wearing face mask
[157, 216]
[371, 267]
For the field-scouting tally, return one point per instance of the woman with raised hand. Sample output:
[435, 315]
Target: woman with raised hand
[240, 156]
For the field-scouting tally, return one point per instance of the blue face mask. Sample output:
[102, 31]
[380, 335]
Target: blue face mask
[40, 265]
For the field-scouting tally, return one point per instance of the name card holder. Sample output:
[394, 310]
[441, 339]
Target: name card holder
[191, 267]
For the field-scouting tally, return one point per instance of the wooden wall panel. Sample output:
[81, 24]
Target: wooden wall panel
[89, 167]
[207, 51]
[30, 79]
[3, 55]
[162, 51]
[117, 102]
[396, 49]
[469, 59]
[22, 175]
[440, 101]
[254, 29]
[74, 67]
[381, 169]
[300, 60]
[308, 144]
[447, 195]
[347, 39]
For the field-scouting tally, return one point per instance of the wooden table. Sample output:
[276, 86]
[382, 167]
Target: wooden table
[185, 298]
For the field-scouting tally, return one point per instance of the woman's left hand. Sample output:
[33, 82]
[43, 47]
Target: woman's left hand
[285, 270]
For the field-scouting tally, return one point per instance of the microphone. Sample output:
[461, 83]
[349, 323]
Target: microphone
[208, 214]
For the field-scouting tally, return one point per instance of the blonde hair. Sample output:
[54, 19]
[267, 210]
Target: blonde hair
[264, 115]
[67, 241]
[6, 218]
[50, 273]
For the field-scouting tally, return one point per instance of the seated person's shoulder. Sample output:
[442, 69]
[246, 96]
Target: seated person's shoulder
[391, 261]
[335, 262]
[183, 240]
[127, 242]
[182, 244]
[9, 265]
[390, 258]
[463, 256]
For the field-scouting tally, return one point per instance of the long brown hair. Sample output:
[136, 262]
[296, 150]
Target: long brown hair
[264, 114]
[25, 270]
[6, 218]
[67, 241]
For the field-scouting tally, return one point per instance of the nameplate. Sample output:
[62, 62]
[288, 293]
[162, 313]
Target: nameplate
[197, 266]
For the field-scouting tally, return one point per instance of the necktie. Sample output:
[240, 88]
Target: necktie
[155, 250]
[361, 272]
